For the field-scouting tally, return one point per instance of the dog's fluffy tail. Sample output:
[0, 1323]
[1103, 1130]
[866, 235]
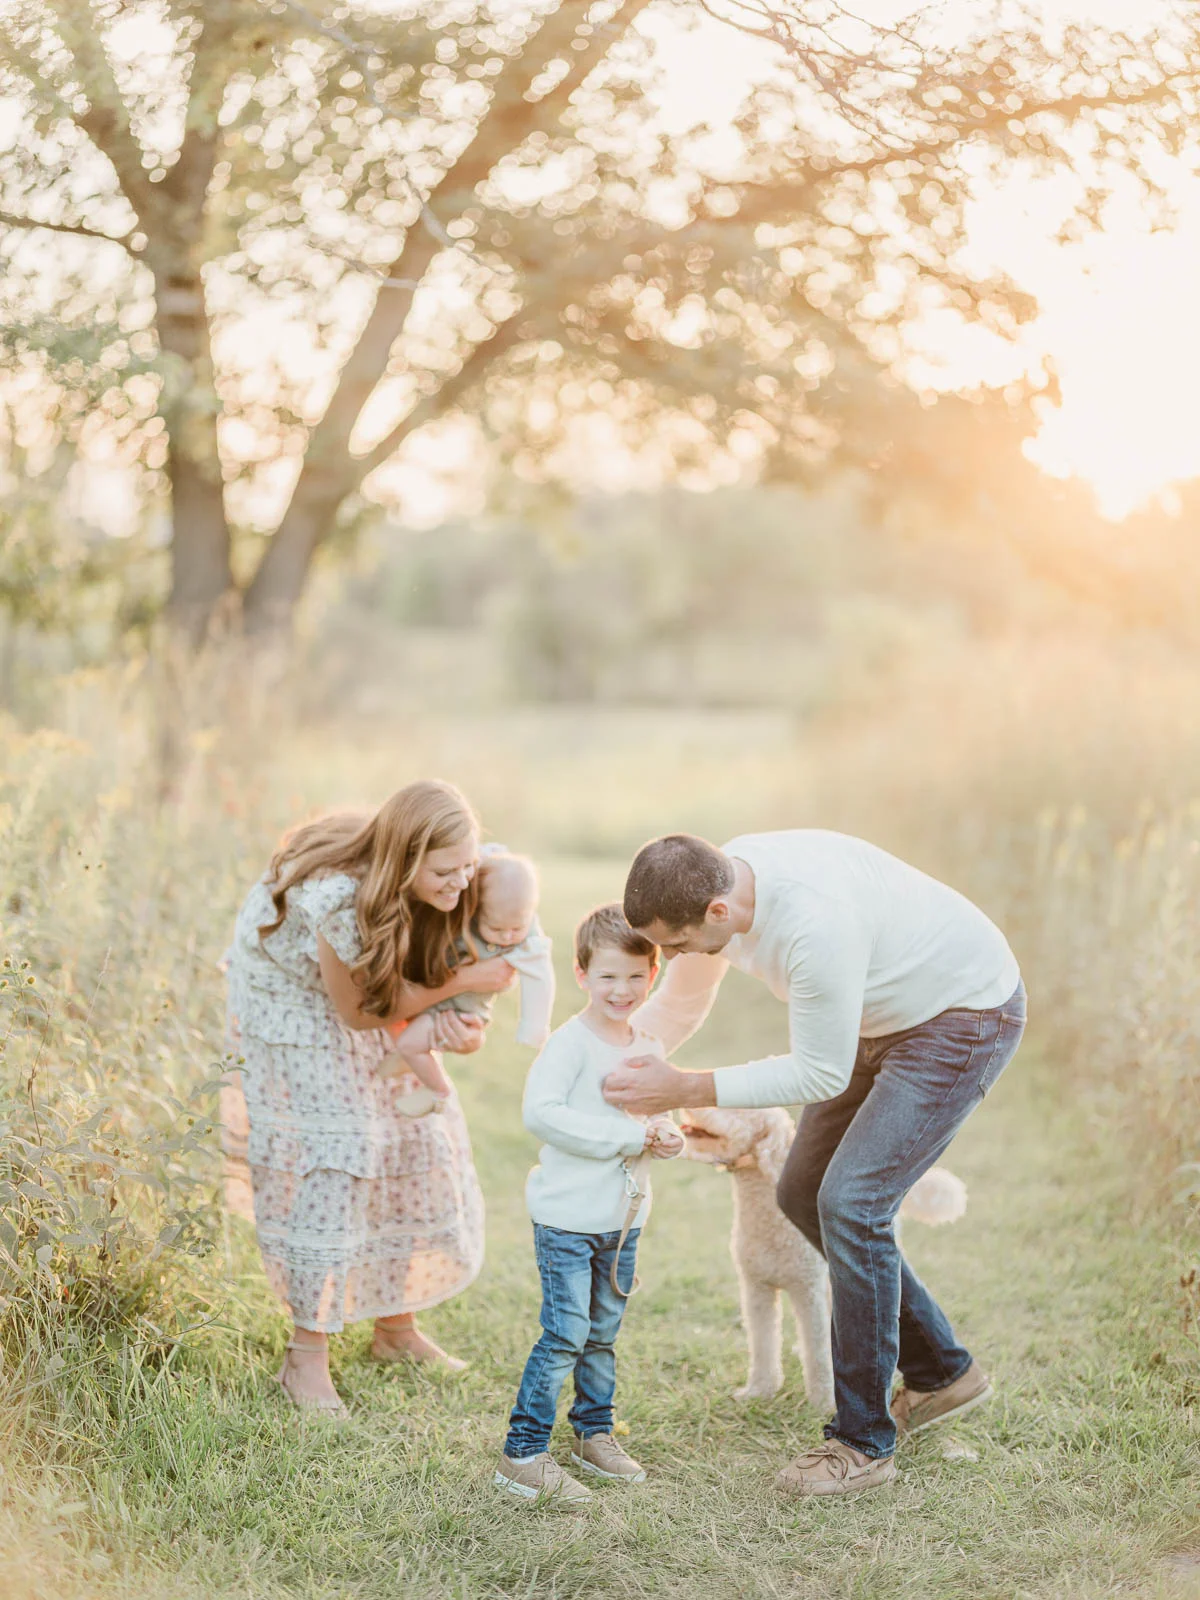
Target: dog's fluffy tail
[937, 1196]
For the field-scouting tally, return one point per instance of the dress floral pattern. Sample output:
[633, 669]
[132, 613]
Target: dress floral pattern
[360, 1211]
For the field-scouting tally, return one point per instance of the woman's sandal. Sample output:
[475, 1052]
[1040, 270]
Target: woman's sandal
[309, 1406]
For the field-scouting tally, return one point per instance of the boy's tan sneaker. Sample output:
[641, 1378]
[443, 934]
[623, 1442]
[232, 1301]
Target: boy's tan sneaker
[602, 1456]
[913, 1409]
[540, 1478]
[835, 1468]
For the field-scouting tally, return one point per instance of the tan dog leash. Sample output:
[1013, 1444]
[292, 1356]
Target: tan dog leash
[634, 1173]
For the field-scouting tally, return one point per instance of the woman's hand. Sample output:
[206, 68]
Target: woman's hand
[459, 1035]
[492, 976]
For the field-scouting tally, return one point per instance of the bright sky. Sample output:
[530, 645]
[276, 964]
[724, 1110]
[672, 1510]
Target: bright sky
[1120, 317]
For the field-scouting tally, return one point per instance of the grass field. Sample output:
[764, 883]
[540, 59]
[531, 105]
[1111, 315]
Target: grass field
[190, 1480]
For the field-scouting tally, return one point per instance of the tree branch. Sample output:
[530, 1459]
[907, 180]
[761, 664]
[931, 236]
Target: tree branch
[187, 180]
[512, 116]
[485, 354]
[508, 121]
[11, 220]
[106, 121]
[778, 200]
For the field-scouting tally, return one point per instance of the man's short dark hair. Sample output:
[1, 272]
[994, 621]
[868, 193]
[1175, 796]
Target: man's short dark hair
[674, 880]
[606, 929]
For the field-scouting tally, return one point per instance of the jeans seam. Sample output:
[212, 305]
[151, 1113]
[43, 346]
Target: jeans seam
[933, 1351]
[548, 1278]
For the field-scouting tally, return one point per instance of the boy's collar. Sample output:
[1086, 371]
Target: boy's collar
[617, 1044]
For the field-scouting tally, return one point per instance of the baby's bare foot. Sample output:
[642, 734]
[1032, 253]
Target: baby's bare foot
[406, 1342]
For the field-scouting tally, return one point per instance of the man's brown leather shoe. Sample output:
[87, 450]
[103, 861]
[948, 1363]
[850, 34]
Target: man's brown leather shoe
[913, 1410]
[835, 1468]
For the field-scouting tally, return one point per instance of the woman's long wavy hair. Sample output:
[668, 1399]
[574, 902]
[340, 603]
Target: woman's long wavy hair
[403, 940]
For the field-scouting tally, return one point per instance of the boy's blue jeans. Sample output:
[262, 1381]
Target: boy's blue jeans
[581, 1317]
[854, 1159]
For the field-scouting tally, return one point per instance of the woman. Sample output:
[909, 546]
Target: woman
[360, 1210]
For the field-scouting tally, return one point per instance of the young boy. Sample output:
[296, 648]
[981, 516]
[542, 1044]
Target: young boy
[579, 1196]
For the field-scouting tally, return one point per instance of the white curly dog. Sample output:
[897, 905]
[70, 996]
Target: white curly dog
[773, 1258]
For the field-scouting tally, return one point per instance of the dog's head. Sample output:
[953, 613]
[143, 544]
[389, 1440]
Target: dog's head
[724, 1137]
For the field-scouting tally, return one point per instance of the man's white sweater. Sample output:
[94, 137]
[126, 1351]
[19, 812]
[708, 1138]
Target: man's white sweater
[856, 942]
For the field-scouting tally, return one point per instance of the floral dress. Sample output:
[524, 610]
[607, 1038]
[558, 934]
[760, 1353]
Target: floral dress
[360, 1211]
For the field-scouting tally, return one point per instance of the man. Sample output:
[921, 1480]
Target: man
[905, 1004]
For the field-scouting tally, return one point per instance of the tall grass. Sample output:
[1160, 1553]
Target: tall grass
[109, 1052]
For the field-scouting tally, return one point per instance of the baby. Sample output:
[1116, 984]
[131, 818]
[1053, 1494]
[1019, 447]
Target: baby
[589, 1197]
[505, 924]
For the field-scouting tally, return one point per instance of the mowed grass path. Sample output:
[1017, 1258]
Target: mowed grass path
[196, 1483]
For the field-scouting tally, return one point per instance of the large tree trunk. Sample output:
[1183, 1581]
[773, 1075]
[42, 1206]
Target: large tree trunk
[270, 601]
[201, 579]
[201, 574]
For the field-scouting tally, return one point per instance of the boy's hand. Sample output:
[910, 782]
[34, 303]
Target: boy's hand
[663, 1139]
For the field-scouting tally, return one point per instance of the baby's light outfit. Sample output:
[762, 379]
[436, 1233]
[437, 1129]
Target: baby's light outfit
[534, 965]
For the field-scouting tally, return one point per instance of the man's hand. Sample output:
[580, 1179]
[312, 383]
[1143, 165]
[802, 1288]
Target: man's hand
[645, 1085]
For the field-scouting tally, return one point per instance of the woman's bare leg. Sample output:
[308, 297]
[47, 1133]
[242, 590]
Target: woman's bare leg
[304, 1375]
[399, 1339]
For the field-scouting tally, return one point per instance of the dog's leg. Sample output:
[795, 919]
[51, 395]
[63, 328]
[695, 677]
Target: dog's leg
[762, 1314]
[810, 1302]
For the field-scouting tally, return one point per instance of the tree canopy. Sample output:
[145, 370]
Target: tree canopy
[474, 204]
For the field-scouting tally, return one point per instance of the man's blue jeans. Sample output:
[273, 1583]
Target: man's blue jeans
[581, 1317]
[854, 1159]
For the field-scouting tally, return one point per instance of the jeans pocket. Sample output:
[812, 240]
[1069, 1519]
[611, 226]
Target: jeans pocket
[953, 1039]
[962, 1025]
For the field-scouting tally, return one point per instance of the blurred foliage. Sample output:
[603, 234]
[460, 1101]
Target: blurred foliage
[301, 168]
[749, 596]
[108, 1052]
[70, 596]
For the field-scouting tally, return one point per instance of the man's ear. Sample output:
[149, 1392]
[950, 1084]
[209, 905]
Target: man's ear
[717, 914]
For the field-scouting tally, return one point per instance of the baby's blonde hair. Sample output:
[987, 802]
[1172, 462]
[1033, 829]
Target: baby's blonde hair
[495, 865]
[502, 864]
